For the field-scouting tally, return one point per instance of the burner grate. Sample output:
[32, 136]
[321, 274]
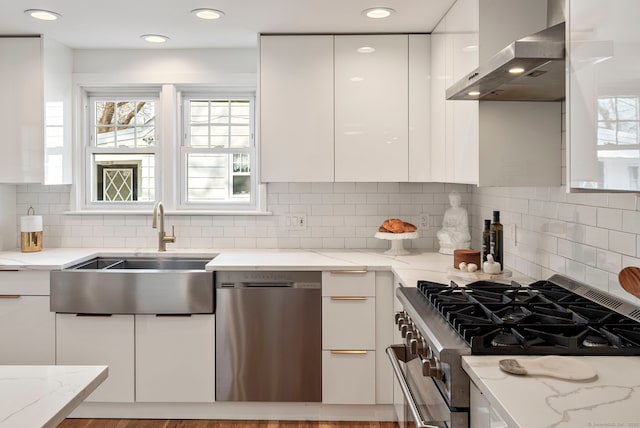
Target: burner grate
[542, 319]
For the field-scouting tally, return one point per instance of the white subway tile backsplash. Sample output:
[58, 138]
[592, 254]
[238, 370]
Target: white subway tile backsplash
[624, 243]
[624, 201]
[609, 219]
[631, 221]
[609, 261]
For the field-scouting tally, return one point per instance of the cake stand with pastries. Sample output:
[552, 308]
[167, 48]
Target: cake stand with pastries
[396, 231]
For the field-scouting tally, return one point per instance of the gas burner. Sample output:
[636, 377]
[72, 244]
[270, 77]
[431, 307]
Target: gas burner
[513, 317]
[594, 341]
[504, 338]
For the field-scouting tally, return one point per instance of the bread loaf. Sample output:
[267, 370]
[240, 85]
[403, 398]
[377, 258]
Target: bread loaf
[395, 225]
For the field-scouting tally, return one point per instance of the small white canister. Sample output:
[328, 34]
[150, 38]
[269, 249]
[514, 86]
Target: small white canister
[31, 232]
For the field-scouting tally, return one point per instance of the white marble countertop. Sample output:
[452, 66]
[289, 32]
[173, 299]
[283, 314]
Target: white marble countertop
[410, 268]
[611, 400]
[42, 396]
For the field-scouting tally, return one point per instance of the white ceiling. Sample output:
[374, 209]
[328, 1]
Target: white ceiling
[107, 24]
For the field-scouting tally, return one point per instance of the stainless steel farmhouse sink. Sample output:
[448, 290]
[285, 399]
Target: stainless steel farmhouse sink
[157, 284]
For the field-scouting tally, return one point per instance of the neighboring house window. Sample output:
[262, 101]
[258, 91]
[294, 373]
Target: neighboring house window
[218, 152]
[123, 149]
[618, 120]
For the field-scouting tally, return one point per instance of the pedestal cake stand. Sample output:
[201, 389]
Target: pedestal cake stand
[397, 246]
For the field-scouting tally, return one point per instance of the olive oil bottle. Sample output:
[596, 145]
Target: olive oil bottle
[486, 239]
[495, 239]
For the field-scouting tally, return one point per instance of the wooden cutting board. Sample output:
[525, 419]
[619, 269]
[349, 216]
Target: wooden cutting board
[629, 279]
[557, 366]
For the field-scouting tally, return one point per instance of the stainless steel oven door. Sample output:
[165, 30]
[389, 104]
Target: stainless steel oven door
[423, 406]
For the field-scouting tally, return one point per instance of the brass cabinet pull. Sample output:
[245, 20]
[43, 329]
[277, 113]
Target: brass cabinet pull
[348, 298]
[349, 272]
[9, 296]
[348, 351]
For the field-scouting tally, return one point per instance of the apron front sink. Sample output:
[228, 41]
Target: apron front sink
[170, 285]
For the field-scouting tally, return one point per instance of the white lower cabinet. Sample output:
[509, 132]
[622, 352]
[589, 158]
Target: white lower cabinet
[100, 340]
[482, 414]
[27, 329]
[175, 358]
[348, 337]
[348, 377]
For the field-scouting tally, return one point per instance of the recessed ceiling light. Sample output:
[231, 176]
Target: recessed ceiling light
[516, 70]
[366, 49]
[378, 12]
[45, 15]
[473, 93]
[154, 38]
[208, 13]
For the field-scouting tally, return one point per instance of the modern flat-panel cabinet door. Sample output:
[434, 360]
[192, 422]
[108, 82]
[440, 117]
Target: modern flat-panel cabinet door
[296, 108]
[175, 358]
[21, 111]
[100, 340]
[371, 108]
[603, 109]
[27, 329]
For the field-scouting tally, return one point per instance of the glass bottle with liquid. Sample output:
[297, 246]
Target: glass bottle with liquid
[486, 239]
[495, 239]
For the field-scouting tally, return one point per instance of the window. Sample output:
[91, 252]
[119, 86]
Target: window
[218, 152]
[618, 120]
[206, 163]
[123, 149]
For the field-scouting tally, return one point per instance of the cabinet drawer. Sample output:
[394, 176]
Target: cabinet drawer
[24, 283]
[348, 324]
[348, 377]
[348, 283]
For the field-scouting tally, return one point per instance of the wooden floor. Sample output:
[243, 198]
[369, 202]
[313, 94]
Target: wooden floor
[164, 423]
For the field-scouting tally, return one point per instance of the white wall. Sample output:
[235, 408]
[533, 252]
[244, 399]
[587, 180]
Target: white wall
[586, 236]
[339, 215]
[9, 229]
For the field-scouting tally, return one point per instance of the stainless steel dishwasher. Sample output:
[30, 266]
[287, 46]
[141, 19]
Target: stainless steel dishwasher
[268, 336]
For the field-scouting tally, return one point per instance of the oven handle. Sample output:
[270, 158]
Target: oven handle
[407, 392]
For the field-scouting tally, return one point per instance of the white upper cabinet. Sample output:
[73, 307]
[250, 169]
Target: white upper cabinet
[489, 143]
[35, 111]
[296, 108]
[345, 108]
[603, 109]
[371, 108]
[419, 108]
[21, 114]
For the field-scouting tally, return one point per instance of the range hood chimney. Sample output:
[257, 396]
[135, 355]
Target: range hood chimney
[541, 56]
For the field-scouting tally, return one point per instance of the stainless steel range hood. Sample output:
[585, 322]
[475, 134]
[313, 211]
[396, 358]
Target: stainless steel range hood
[541, 55]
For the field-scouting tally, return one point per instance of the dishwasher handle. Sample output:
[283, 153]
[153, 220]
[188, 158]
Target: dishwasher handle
[277, 285]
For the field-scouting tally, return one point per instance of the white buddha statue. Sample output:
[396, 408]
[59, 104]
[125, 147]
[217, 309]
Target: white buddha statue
[454, 234]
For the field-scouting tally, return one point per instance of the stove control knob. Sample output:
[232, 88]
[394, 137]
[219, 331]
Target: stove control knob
[409, 337]
[435, 369]
[426, 366]
[414, 346]
[401, 315]
[403, 330]
[400, 322]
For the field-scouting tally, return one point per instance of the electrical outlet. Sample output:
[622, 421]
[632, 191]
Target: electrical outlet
[296, 221]
[424, 221]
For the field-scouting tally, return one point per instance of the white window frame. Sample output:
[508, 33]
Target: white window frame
[90, 149]
[238, 207]
[168, 157]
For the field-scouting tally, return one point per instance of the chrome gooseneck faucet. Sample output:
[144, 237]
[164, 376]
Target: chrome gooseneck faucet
[158, 211]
